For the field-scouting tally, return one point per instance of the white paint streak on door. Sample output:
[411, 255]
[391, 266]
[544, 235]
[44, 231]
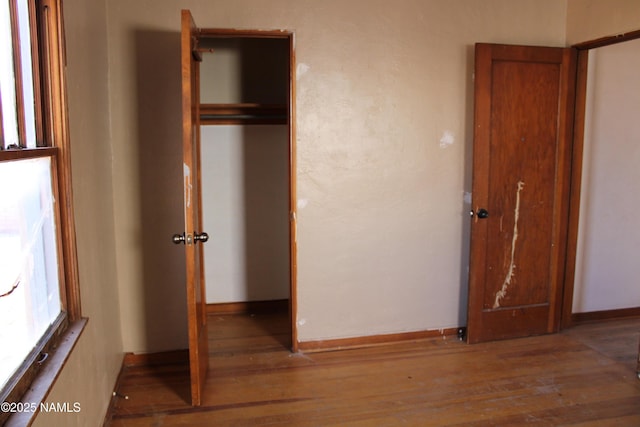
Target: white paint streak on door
[512, 266]
[187, 185]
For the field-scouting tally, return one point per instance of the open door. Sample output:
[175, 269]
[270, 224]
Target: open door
[524, 100]
[193, 237]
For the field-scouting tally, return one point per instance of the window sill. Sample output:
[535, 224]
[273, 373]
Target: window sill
[46, 378]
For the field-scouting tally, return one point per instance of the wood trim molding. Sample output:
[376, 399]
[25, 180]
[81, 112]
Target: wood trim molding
[55, 61]
[609, 40]
[594, 316]
[374, 340]
[17, 69]
[6, 155]
[41, 386]
[248, 307]
[174, 357]
[575, 190]
[182, 356]
[293, 201]
[567, 317]
[204, 33]
[249, 114]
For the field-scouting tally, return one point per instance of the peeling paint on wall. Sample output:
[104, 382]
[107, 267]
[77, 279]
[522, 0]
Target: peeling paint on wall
[187, 185]
[447, 139]
[301, 70]
[512, 266]
[467, 197]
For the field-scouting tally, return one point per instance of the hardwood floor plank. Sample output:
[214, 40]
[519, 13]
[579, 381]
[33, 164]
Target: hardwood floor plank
[585, 376]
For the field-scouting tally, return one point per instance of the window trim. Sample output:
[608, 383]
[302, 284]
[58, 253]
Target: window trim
[54, 58]
[52, 130]
[48, 374]
[8, 155]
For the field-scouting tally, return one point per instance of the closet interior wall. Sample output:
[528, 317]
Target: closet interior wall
[245, 169]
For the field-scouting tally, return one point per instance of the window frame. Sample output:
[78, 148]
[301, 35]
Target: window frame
[40, 369]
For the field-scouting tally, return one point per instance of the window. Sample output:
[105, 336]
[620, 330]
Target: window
[38, 272]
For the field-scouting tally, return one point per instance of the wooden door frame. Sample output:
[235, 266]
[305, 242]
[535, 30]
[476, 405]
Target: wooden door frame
[576, 165]
[291, 123]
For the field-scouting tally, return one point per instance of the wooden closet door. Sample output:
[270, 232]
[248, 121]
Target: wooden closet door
[193, 237]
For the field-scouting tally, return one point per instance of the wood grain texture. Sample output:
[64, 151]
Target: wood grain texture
[194, 256]
[583, 376]
[522, 135]
[372, 340]
[248, 307]
[594, 316]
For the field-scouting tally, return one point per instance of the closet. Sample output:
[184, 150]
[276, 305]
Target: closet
[245, 171]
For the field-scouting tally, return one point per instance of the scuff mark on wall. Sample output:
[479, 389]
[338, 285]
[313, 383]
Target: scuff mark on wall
[512, 266]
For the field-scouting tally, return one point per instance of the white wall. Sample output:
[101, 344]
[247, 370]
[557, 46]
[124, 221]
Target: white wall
[607, 267]
[592, 19]
[245, 184]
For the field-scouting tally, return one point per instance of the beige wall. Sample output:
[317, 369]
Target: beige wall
[384, 131]
[383, 137]
[592, 19]
[90, 373]
[144, 73]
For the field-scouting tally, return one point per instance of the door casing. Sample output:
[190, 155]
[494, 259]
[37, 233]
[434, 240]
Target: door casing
[234, 33]
[576, 165]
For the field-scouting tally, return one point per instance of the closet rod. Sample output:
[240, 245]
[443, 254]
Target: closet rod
[243, 114]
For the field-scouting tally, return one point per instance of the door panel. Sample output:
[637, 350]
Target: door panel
[522, 135]
[196, 300]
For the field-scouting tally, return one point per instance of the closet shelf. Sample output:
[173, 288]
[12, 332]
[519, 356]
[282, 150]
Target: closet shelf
[230, 114]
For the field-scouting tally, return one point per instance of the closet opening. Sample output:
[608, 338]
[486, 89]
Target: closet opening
[247, 165]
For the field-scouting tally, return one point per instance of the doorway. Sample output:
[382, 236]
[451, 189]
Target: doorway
[247, 181]
[601, 268]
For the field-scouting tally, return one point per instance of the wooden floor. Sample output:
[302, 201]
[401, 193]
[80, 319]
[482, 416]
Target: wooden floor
[584, 376]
